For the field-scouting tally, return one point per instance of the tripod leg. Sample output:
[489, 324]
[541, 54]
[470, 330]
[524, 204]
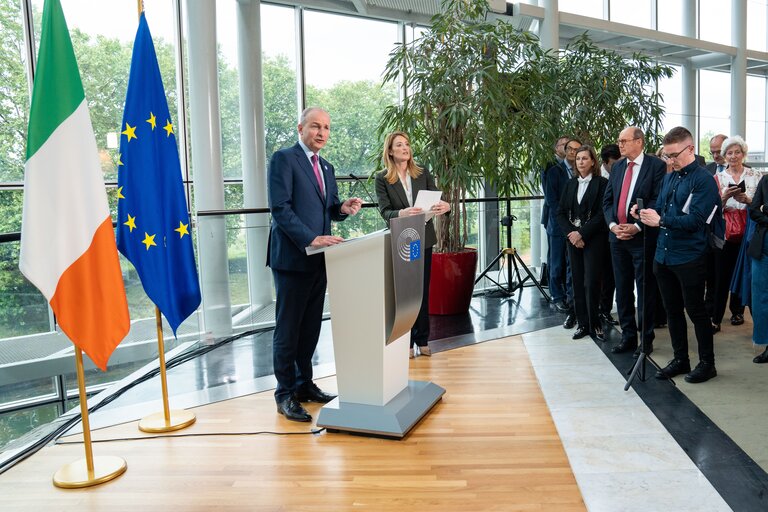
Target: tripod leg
[640, 363]
[532, 278]
[489, 267]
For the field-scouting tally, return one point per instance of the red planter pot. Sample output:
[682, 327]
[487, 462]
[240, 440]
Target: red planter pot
[452, 282]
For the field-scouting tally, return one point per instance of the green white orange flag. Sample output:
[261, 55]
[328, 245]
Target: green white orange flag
[68, 248]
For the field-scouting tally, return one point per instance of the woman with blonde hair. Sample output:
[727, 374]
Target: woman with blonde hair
[397, 187]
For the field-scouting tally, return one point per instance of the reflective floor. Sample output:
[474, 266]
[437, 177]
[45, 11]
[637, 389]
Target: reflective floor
[716, 425]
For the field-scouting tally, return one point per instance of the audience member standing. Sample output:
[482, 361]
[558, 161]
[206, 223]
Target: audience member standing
[737, 187]
[715, 147]
[581, 219]
[559, 285]
[758, 252]
[638, 175]
[609, 154]
[687, 202]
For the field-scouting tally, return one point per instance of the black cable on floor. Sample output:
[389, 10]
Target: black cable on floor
[314, 431]
[75, 418]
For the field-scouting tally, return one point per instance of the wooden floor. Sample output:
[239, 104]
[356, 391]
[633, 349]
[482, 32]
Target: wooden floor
[490, 444]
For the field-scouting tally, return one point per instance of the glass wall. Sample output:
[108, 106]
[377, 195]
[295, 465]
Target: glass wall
[714, 105]
[671, 90]
[715, 21]
[637, 13]
[755, 134]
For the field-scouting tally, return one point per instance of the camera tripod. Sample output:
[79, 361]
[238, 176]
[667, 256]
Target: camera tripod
[514, 263]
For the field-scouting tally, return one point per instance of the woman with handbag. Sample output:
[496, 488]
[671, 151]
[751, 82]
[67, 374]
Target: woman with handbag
[581, 218]
[758, 254]
[737, 185]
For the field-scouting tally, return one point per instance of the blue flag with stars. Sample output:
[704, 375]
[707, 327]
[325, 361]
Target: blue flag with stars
[153, 224]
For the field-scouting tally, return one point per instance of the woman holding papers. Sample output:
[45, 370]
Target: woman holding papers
[581, 218]
[737, 185]
[397, 188]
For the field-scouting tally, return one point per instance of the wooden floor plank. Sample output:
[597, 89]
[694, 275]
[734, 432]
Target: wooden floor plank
[490, 444]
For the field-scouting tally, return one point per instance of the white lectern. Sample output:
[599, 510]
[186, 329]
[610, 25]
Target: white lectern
[375, 293]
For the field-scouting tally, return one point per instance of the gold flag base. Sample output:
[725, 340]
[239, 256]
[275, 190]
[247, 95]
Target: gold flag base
[75, 474]
[155, 423]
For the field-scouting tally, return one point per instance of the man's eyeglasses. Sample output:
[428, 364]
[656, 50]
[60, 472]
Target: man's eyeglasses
[621, 142]
[571, 148]
[670, 156]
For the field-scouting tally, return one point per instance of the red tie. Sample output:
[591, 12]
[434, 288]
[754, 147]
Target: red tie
[622, 213]
[316, 168]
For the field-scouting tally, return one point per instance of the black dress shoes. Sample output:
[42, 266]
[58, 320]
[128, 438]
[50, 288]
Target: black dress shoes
[312, 393]
[702, 373]
[762, 358]
[673, 368]
[599, 334]
[737, 319]
[570, 321]
[581, 332]
[715, 328]
[562, 306]
[293, 410]
[625, 346]
[607, 319]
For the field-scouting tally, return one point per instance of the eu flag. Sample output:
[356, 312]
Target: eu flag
[153, 224]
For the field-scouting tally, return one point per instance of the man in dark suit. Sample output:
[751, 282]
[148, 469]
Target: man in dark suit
[303, 200]
[715, 145]
[637, 175]
[554, 183]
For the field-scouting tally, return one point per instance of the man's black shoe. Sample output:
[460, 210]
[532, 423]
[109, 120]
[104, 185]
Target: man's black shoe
[648, 351]
[702, 373]
[570, 321]
[312, 393]
[581, 332]
[599, 334]
[625, 346]
[293, 410]
[762, 358]
[562, 307]
[715, 328]
[673, 368]
[607, 319]
[737, 319]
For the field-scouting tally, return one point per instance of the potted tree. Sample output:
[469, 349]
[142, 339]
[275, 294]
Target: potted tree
[468, 80]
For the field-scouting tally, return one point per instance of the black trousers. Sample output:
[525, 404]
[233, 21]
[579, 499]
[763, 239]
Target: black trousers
[420, 329]
[607, 283]
[633, 266]
[725, 264]
[682, 289]
[298, 318]
[586, 272]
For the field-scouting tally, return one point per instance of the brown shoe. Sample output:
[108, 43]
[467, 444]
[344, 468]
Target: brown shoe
[411, 354]
[425, 350]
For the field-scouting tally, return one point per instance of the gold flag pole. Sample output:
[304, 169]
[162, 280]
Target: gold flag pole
[167, 420]
[89, 471]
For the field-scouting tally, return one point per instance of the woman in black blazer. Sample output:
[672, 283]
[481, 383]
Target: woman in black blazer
[581, 218]
[396, 189]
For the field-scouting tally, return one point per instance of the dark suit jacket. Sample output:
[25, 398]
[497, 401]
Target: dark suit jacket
[391, 198]
[299, 211]
[554, 184]
[589, 211]
[647, 187]
[712, 168]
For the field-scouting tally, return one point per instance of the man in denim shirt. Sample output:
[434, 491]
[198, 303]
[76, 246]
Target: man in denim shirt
[688, 201]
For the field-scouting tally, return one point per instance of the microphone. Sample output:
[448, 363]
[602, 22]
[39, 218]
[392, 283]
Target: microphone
[359, 181]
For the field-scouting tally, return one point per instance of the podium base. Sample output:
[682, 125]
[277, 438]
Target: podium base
[395, 419]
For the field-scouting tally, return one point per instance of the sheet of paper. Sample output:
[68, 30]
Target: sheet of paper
[709, 219]
[426, 199]
[687, 205]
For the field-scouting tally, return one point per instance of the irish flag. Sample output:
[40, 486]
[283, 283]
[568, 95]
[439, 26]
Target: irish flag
[68, 248]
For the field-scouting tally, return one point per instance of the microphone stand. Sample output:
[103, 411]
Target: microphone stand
[639, 366]
[359, 181]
